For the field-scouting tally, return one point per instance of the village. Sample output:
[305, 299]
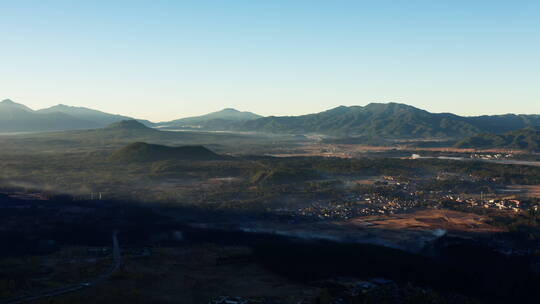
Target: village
[390, 196]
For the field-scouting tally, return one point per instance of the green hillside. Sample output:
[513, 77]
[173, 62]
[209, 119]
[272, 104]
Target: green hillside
[525, 139]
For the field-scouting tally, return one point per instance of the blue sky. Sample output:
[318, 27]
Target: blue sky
[168, 59]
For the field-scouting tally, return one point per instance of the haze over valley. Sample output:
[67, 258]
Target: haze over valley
[270, 152]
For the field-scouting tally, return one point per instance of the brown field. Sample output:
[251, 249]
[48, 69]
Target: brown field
[428, 220]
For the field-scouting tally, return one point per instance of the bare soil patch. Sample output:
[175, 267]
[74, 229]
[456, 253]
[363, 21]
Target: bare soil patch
[431, 219]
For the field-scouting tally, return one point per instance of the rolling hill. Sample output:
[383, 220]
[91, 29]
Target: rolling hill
[143, 152]
[525, 139]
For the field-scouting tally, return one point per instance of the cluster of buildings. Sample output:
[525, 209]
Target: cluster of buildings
[351, 207]
[499, 204]
[397, 197]
[491, 156]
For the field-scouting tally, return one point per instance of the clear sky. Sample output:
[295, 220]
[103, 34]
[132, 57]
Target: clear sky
[168, 59]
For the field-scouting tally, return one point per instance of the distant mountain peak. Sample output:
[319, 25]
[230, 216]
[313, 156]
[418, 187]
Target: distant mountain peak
[72, 109]
[373, 107]
[387, 105]
[233, 111]
[339, 109]
[11, 104]
[229, 110]
[226, 115]
[61, 105]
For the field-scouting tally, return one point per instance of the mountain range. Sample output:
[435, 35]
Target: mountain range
[15, 117]
[99, 117]
[375, 120]
[389, 120]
